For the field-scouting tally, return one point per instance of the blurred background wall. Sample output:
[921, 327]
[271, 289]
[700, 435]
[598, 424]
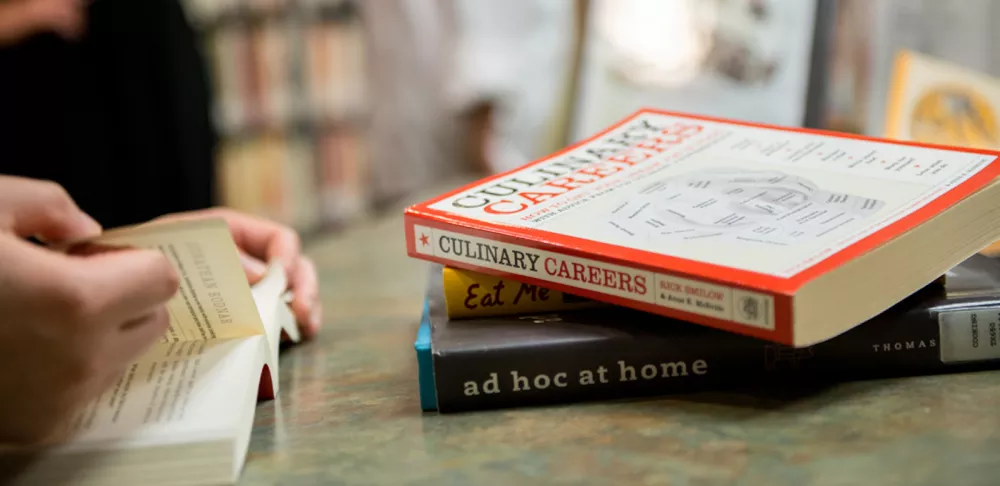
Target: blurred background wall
[332, 109]
[329, 109]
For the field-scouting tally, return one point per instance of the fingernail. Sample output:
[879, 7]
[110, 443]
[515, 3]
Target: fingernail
[90, 225]
[254, 265]
[315, 317]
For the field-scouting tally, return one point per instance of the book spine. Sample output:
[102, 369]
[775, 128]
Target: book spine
[745, 311]
[915, 343]
[474, 294]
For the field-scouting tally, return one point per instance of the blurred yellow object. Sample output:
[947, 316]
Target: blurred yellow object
[934, 101]
[474, 294]
[992, 250]
[954, 116]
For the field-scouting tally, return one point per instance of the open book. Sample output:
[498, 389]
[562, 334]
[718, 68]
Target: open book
[183, 413]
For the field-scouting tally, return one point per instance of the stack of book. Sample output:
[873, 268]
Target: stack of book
[673, 253]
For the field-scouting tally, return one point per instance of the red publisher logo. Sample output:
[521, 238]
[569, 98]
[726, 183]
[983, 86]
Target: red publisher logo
[424, 240]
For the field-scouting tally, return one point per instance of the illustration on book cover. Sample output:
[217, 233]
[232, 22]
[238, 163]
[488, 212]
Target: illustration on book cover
[733, 203]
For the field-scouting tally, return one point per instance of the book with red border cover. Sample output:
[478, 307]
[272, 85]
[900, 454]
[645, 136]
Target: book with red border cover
[787, 234]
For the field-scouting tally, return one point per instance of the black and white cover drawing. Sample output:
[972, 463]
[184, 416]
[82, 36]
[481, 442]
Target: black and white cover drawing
[765, 206]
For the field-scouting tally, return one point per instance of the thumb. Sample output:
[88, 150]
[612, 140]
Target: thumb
[253, 267]
[30, 207]
[127, 282]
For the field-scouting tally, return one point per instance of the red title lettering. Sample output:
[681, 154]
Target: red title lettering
[596, 275]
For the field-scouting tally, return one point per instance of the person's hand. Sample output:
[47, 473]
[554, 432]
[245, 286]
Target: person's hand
[69, 325]
[20, 19]
[262, 241]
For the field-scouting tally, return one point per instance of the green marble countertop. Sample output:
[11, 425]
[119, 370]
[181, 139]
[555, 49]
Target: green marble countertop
[348, 413]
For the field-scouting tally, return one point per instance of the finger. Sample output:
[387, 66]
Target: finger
[254, 268]
[305, 305]
[125, 284]
[30, 207]
[89, 248]
[69, 25]
[136, 336]
[259, 237]
[67, 19]
[128, 343]
[266, 240]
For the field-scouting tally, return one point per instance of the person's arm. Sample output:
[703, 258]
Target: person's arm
[20, 19]
[479, 123]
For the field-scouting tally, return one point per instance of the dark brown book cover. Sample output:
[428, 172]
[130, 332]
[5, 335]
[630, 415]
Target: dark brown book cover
[614, 353]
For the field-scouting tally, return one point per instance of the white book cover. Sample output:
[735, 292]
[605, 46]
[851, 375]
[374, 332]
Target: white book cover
[662, 200]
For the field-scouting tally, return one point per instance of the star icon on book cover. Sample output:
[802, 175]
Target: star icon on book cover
[424, 240]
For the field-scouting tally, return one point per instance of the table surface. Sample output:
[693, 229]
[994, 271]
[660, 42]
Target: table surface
[348, 412]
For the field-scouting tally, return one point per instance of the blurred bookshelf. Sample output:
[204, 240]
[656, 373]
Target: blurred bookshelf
[289, 80]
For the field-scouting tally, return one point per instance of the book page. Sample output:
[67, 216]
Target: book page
[179, 392]
[269, 294]
[272, 303]
[214, 300]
